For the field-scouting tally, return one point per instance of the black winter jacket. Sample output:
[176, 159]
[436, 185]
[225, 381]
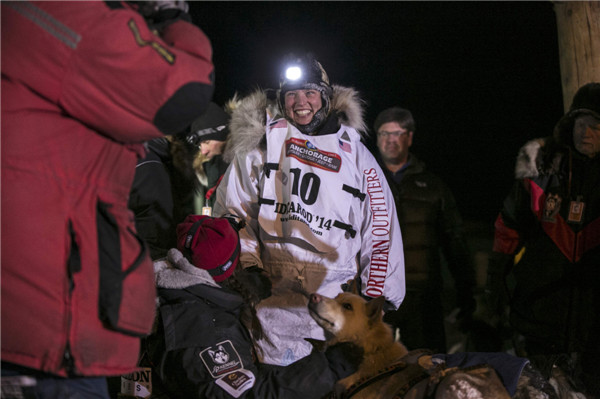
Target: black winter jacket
[556, 297]
[202, 350]
[430, 222]
[214, 169]
[161, 196]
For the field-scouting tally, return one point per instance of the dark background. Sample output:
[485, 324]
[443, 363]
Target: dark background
[481, 78]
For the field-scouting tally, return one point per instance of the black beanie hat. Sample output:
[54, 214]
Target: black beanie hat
[211, 125]
[311, 75]
[585, 101]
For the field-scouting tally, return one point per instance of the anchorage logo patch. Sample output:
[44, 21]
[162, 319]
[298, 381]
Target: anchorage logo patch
[305, 152]
[221, 359]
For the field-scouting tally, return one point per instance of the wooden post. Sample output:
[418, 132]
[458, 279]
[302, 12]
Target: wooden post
[578, 24]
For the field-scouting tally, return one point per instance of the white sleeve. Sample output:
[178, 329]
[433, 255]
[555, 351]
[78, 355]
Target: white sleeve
[238, 194]
[382, 254]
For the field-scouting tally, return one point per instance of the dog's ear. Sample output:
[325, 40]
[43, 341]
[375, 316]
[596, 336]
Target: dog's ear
[375, 308]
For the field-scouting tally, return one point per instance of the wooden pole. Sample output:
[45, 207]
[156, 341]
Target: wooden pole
[578, 24]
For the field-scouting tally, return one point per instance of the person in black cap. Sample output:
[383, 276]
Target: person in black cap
[551, 219]
[169, 177]
[209, 134]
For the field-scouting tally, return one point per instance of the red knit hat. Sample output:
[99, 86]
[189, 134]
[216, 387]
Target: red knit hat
[209, 243]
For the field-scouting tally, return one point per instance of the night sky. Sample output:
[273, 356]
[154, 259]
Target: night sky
[481, 78]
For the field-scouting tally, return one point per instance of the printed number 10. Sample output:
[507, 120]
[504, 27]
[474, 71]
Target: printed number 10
[309, 186]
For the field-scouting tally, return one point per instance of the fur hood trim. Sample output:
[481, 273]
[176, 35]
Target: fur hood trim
[175, 271]
[248, 117]
[538, 156]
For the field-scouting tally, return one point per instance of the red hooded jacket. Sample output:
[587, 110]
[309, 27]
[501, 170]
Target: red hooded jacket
[84, 84]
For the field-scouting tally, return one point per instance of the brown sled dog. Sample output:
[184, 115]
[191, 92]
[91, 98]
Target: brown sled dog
[389, 370]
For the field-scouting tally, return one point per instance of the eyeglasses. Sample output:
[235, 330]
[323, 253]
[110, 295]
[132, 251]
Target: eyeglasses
[395, 134]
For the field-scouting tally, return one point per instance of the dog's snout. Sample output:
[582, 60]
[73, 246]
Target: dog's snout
[315, 298]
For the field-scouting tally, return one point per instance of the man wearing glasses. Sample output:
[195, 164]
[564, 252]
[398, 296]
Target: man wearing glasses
[430, 221]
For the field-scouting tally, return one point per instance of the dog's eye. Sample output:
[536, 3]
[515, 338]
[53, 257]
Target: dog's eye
[347, 306]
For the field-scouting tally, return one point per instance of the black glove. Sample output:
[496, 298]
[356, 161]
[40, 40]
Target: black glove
[255, 280]
[344, 358]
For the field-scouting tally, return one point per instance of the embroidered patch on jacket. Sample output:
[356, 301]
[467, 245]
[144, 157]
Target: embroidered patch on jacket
[305, 152]
[345, 146]
[277, 124]
[221, 359]
[551, 207]
[237, 383]
[159, 48]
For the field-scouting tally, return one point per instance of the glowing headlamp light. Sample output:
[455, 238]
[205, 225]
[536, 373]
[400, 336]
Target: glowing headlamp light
[293, 73]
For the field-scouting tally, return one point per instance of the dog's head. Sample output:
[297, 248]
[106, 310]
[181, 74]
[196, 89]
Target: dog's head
[347, 317]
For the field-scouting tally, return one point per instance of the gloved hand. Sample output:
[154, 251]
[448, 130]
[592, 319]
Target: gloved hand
[352, 286]
[255, 280]
[344, 359]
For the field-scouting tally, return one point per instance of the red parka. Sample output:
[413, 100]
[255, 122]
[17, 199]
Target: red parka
[84, 84]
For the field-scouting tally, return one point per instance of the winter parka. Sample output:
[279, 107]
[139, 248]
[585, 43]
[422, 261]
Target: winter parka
[84, 84]
[553, 215]
[318, 213]
[431, 227]
[201, 349]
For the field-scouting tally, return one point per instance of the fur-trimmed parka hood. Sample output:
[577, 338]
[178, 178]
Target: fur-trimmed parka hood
[539, 156]
[248, 119]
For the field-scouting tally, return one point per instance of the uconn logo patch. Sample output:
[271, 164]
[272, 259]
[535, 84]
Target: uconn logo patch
[221, 359]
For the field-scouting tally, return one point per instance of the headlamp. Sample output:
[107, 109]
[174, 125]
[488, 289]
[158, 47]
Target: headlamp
[293, 73]
[305, 73]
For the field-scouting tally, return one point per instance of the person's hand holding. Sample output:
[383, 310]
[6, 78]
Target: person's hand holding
[255, 280]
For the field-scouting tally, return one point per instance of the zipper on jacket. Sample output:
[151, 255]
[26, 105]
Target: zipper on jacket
[73, 266]
[68, 363]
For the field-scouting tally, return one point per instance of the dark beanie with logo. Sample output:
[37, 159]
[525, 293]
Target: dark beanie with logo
[211, 125]
[209, 243]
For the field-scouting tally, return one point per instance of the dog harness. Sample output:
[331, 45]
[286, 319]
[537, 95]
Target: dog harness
[421, 377]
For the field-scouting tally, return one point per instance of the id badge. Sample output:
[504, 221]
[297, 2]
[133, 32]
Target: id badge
[576, 212]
